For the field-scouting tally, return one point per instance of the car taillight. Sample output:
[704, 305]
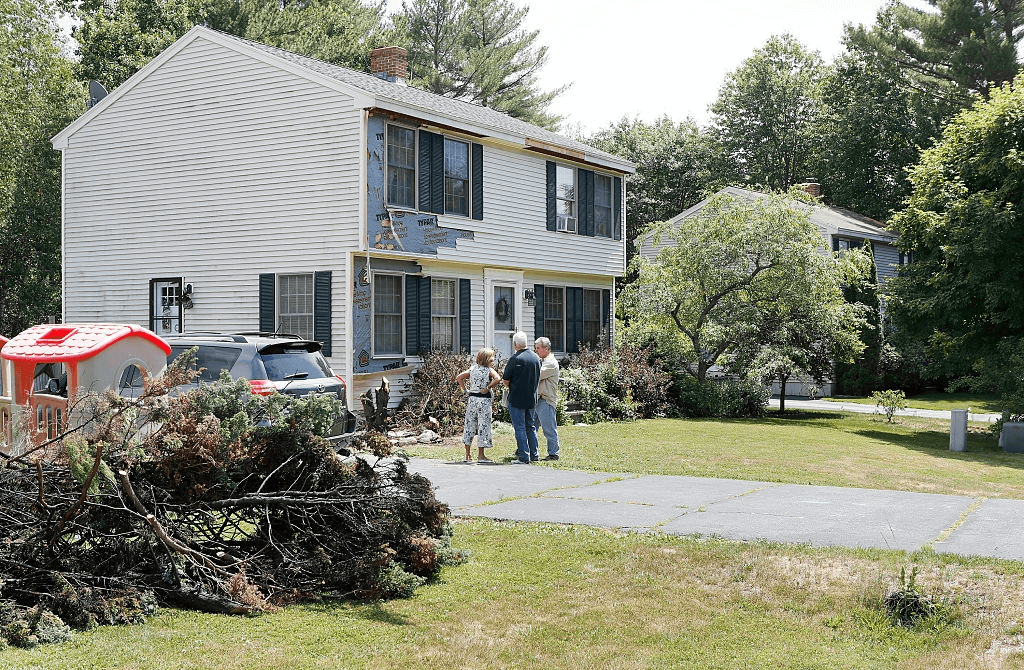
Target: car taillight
[262, 386]
[343, 386]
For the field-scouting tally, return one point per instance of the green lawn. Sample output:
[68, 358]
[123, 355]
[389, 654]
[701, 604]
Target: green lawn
[827, 448]
[977, 402]
[540, 596]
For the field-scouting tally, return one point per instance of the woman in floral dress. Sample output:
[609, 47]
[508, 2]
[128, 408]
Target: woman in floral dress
[478, 381]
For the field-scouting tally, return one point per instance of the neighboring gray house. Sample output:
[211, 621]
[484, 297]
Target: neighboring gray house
[230, 186]
[840, 229]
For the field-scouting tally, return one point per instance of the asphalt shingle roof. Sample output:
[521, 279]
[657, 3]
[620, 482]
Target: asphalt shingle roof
[457, 110]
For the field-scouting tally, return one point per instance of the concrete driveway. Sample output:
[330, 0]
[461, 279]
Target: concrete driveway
[732, 509]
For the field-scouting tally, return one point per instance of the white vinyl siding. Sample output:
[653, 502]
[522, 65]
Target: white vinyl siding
[215, 167]
[515, 210]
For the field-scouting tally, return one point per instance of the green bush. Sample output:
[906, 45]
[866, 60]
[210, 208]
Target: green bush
[890, 401]
[621, 384]
[732, 398]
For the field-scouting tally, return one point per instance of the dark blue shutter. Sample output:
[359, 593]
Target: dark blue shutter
[437, 174]
[465, 314]
[585, 200]
[617, 207]
[835, 243]
[552, 186]
[267, 303]
[425, 320]
[412, 314]
[573, 319]
[538, 310]
[606, 309]
[424, 163]
[478, 182]
[322, 310]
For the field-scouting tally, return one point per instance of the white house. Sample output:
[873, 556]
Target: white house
[229, 186]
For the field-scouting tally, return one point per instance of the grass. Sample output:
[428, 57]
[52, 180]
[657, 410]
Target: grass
[979, 403]
[823, 448]
[545, 596]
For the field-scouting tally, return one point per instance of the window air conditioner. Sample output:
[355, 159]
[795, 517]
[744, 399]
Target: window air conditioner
[567, 224]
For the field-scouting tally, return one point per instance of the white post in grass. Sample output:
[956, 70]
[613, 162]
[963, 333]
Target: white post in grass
[958, 430]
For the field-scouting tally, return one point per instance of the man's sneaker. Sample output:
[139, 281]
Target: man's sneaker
[516, 461]
[552, 457]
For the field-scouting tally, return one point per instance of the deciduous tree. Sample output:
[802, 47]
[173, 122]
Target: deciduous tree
[963, 293]
[744, 281]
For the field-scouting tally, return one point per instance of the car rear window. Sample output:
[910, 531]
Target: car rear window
[213, 359]
[293, 363]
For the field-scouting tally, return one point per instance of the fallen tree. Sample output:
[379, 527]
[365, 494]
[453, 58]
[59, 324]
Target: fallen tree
[217, 500]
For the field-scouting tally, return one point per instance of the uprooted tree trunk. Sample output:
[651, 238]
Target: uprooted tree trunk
[375, 406]
[210, 510]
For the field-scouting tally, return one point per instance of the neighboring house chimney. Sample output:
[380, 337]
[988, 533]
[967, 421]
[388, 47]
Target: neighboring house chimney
[390, 63]
[811, 187]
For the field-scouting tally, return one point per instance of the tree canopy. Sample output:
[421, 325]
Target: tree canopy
[745, 283]
[765, 113]
[964, 291]
[38, 96]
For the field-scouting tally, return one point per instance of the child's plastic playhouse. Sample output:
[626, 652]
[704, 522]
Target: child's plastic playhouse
[45, 368]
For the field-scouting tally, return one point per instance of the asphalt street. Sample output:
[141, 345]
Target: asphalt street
[732, 509]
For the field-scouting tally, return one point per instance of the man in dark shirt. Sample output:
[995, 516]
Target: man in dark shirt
[522, 373]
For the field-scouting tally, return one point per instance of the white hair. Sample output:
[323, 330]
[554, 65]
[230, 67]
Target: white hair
[519, 340]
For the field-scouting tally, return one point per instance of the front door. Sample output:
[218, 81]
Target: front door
[504, 306]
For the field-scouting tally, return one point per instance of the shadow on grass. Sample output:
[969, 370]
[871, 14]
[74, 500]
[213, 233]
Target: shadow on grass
[381, 615]
[935, 443]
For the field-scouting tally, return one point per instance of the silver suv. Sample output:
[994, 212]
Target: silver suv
[271, 362]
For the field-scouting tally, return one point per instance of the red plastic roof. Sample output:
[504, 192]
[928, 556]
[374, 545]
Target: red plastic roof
[71, 342]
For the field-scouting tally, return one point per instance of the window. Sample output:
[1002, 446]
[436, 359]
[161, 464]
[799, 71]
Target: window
[554, 316]
[906, 257]
[165, 306]
[387, 315]
[602, 205]
[295, 305]
[456, 177]
[592, 317]
[565, 198]
[442, 314]
[401, 174]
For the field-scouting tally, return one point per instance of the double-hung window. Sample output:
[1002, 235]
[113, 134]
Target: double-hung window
[295, 304]
[592, 317]
[554, 316]
[565, 198]
[442, 314]
[456, 177]
[602, 205]
[401, 172]
[387, 315]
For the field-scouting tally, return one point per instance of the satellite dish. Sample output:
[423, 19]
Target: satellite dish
[96, 92]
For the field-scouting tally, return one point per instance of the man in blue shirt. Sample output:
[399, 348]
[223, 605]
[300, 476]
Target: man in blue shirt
[522, 374]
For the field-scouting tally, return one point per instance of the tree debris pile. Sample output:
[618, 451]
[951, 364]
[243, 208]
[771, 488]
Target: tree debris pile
[212, 510]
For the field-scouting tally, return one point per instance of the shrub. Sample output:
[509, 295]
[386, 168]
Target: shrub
[890, 401]
[909, 606]
[623, 384]
[732, 398]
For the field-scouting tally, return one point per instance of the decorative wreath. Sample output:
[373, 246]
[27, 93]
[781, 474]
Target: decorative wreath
[501, 310]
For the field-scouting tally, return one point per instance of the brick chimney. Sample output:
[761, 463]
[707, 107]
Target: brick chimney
[390, 64]
[811, 187]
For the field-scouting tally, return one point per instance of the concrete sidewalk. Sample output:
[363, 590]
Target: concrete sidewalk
[733, 509]
[840, 406]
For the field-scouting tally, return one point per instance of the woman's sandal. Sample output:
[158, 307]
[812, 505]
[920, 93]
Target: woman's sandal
[484, 460]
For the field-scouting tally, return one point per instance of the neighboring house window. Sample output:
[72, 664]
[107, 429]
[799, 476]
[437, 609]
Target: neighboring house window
[554, 316]
[602, 205]
[165, 307]
[906, 257]
[295, 304]
[442, 314]
[565, 194]
[401, 167]
[592, 317]
[456, 177]
[387, 315]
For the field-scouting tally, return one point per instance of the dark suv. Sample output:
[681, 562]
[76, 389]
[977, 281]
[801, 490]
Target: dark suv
[272, 362]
